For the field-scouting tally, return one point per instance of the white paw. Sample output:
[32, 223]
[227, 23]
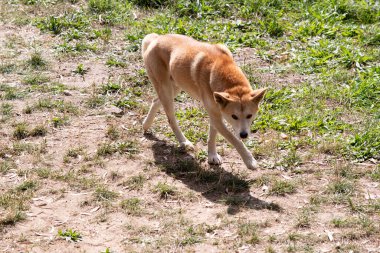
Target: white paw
[187, 145]
[146, 125]
[252, 164]
[214, 159]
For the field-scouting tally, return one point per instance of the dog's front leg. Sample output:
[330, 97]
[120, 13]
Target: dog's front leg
[247, 157]
[213, 157]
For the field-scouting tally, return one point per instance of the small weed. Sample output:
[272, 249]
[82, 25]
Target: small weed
[70, 235]
[113, 133]
[6, 109]
[5, 166]
[28, 110]
[282, 187]
[248, 231]
[135, 182]
[131, 205]
[20, 131]
[106, 149]
[112, 62]
[7, 68]
[95, 101]
[81, 70]
[304, 218]
[27, 185]
[73, 153]
[12, 218]
[36, 61]
[36, 79]
[164, 190]
[43, 172]
[341, 187]
[60, 121]
[103, 194]
[111, 87]
[39, 130]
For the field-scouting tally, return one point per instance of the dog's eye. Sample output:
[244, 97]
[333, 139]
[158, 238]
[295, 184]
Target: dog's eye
[234, 117]
[249, 116]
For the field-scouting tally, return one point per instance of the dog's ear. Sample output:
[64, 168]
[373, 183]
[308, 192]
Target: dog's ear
[258, 95]
[222, 98]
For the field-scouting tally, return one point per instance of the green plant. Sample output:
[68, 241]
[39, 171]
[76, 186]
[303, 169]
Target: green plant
[70, 235]
[81, 70]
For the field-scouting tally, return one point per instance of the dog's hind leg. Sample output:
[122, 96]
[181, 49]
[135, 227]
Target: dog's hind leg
[154, 108]
[166, 93]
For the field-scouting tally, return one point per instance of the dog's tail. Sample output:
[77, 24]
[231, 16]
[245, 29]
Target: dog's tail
[147, 40]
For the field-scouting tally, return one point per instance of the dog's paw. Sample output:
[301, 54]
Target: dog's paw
[214, 159]
[252, 164]
[145, 126]
[187, 145]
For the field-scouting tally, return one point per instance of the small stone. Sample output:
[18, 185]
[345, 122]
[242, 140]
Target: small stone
[284, 136]
[114, 111]
[67, 93]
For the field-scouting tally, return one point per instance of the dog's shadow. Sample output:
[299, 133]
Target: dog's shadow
[214, 183]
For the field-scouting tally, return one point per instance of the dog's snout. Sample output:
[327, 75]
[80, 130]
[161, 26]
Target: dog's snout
[243, 134]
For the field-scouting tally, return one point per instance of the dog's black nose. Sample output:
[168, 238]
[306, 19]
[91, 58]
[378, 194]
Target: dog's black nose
[243, 134]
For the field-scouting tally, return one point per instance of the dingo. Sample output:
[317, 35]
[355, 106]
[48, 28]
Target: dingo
[208, 73]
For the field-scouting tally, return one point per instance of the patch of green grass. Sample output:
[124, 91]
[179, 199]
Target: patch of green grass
[106, 149]
[21, 131]
[164, 190]
[135, 182]
[280, 187]
[12, 218]
[112, 62]
[59, 121]
[27, 185]
[249, 232]
[36, 61]
[11, 93]
[6, 109]
[95, 101]
[192, 235]
[366, 144]
[341, 187]
[81, 70]
[113, 133]
[6, 165]
[103, 194]
[70, 235]
[7, 68]
[123, 147]
[36, 79]
[110, 87]
[375, 175]
[304, 218]
[39, 130]
[131, 205]
[73, 153]
[43, 172]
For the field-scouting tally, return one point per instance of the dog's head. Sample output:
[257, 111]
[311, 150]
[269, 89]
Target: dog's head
[239, 110]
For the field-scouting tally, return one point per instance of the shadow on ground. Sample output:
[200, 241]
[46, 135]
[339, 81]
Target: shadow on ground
[215, 184]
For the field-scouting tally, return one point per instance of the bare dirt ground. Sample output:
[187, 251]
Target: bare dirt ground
[207, 209]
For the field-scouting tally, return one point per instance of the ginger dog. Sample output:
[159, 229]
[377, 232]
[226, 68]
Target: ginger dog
[208, 73]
